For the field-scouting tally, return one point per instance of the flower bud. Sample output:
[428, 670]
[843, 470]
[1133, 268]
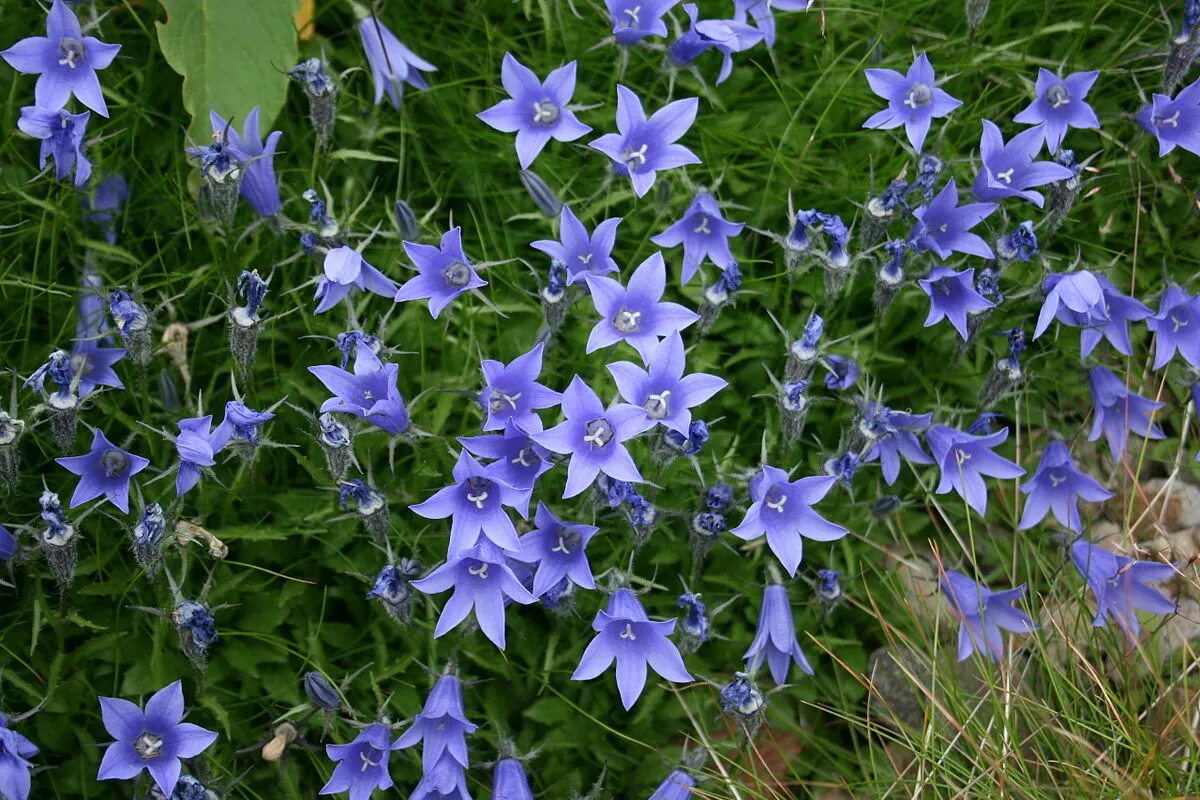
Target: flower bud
[545, 199]
[321, 692]
[406, 222]
[284, 734]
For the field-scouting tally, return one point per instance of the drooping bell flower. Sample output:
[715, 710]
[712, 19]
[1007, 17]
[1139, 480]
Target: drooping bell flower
[392, 64]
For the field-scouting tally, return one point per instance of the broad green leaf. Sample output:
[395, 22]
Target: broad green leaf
[232, 55]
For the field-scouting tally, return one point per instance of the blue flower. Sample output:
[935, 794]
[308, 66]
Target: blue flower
[1057, 486]
[1118, 412]
[644, 146]
[362, 764]
[536, 110]
[62, 135]
[982, 614]
[1119, 586]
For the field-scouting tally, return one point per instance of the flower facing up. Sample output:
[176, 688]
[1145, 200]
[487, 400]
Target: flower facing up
[914, 100]
[634, 20]
[1176, 327]
[362, 765]
[560, 551]
[635, 313]
[965, 460]
[1119, 586]
[93, 365]
[153, 739]
[944, 227]
[392, 64]
[643, 146]
[442, 725]
[15, 752]
[518, 460]
[1057, 486]
[1061, 103]
[64, 60]
[105, 472]
[726, 36]
[1175, 123]
[665, 395]
[536, 110]
[511, 392]
[593, 437]
[982, 614]
[444, 272]
[61, 133]
[475, 504]
[704, 233]
[346, 269]
[195, 445]
[625, 634]
[370, 392]
[509, 781]
[1009, 169]
[257, 158]
[582, 254]
[782, 509]
[952, 296]
[889, 446]
[676, 786]
[1118, 412]
[775, 639]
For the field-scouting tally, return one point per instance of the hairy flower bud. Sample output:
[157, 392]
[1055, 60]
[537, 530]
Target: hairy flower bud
[321, 692]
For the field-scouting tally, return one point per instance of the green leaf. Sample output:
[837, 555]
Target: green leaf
[232, 55]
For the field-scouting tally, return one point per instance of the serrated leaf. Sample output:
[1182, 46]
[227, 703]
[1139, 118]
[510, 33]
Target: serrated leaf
[232, 55]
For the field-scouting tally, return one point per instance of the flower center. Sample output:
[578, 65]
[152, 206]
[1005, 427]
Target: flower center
[658, 405]
[71, 51]
[545, 112]
[628, 632]
[598, 432]
[1006, 176]
[457, 274]
[961, 456]
[919, 95]
[1058, 96]
[1057, 479]
[637, 158]
[477, 491]
[523, 457]
[1177, 323]
[480, 570]
[568, 541]
[627, 321]
[114, 462]
[365, 755]
[499, 398]
[1172, 120]
[776, 499]
[702, 226]
[633, 14]
[148, 746]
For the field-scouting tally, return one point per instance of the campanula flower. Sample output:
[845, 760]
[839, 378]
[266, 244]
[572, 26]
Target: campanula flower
[61, 133]
[105, 472]
[665, 395]
[509, 781]
[1175, 123]
[580, 253]
[445, 780]
[536, 110]
[1057, 486]
[634, 20]
[625, 634]
[1009, 169]
[196, 446]
[321, 692]
[58, 539]
[321, 90]
[540, 192]
[898, 438]
[843, 372]
[644, 146]
[511, 392]
[154, 739]
[718, 497]
[517, 459]
[1107, 318]
[103, 203]
[689, 443]
[93, 365]
[559, 549]
[392, 64]
[362, 765]
[775, 638]
[782, 510]
[370, 392]
[704, 233]
[914, 100]
[944, 227]
[761, 12]
[64, 60]
[1176, 327]
[1119, 585]
[475, 502]
[148, 534]
[636, 313]
[481, 579]
[15, 752]
[8, 544]
[392, 588]
[952, 296]
[726, 36]
[1019, 245]
[1119, 412]
[444, 272]
[593, 437]
[965, 460]
[240, 424]
[345, 269]
[678, 785]
[1079, 293]
[982, 614]
[1060, 104]
[257, 158]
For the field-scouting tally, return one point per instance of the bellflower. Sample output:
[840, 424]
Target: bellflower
[444, 272]
[104, 472]
[1061, 103]
[635, 313]
[1079, 293]
[1057, 486]
[153, 739]
[442, 724]
[889, 447]
[1107, 319]
[362, 765]
[775, 638]
[593, 437]
[64, 60]
[509, 781]
[760, 12]
[727, 36]
[704, 233]
[93, 365]
[582, 254]
[61, 133]
[1175, 123]
[445, 780]
[678, 785]
[481, 579]
[102, 204]
[1119, 586]
[644, 146]
[625, 634]
[1118, 412]
[8, 544]
[517, 459]
[1009, 169]
[195, 445]
[257, 158]
[965, 460]
[1176, 327]
[536, 110]
[511, 392]
[944, 227]
[240, 424]
[392, 64]
[843, 372]
[634, 20]
[474, 503]
[982, 614]
[345, 269]
[370, 392]
[914, 100]
[15, 752]
[559, 549]
[782, 510]
[952, 296]
[665, 395]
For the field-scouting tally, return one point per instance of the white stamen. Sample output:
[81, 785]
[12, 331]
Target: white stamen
[961, 455]
[585, 259]
[633, 15]
[520, 459]
[561, 547]
[367, 762]
[703, 226]
[480, 571]
[777, 505]
[596, 439]
[1006, 176]
[1177, 324]
[1172, 120]
[1056, 480]
[477, 499]
[628, 632]
[638, 155]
